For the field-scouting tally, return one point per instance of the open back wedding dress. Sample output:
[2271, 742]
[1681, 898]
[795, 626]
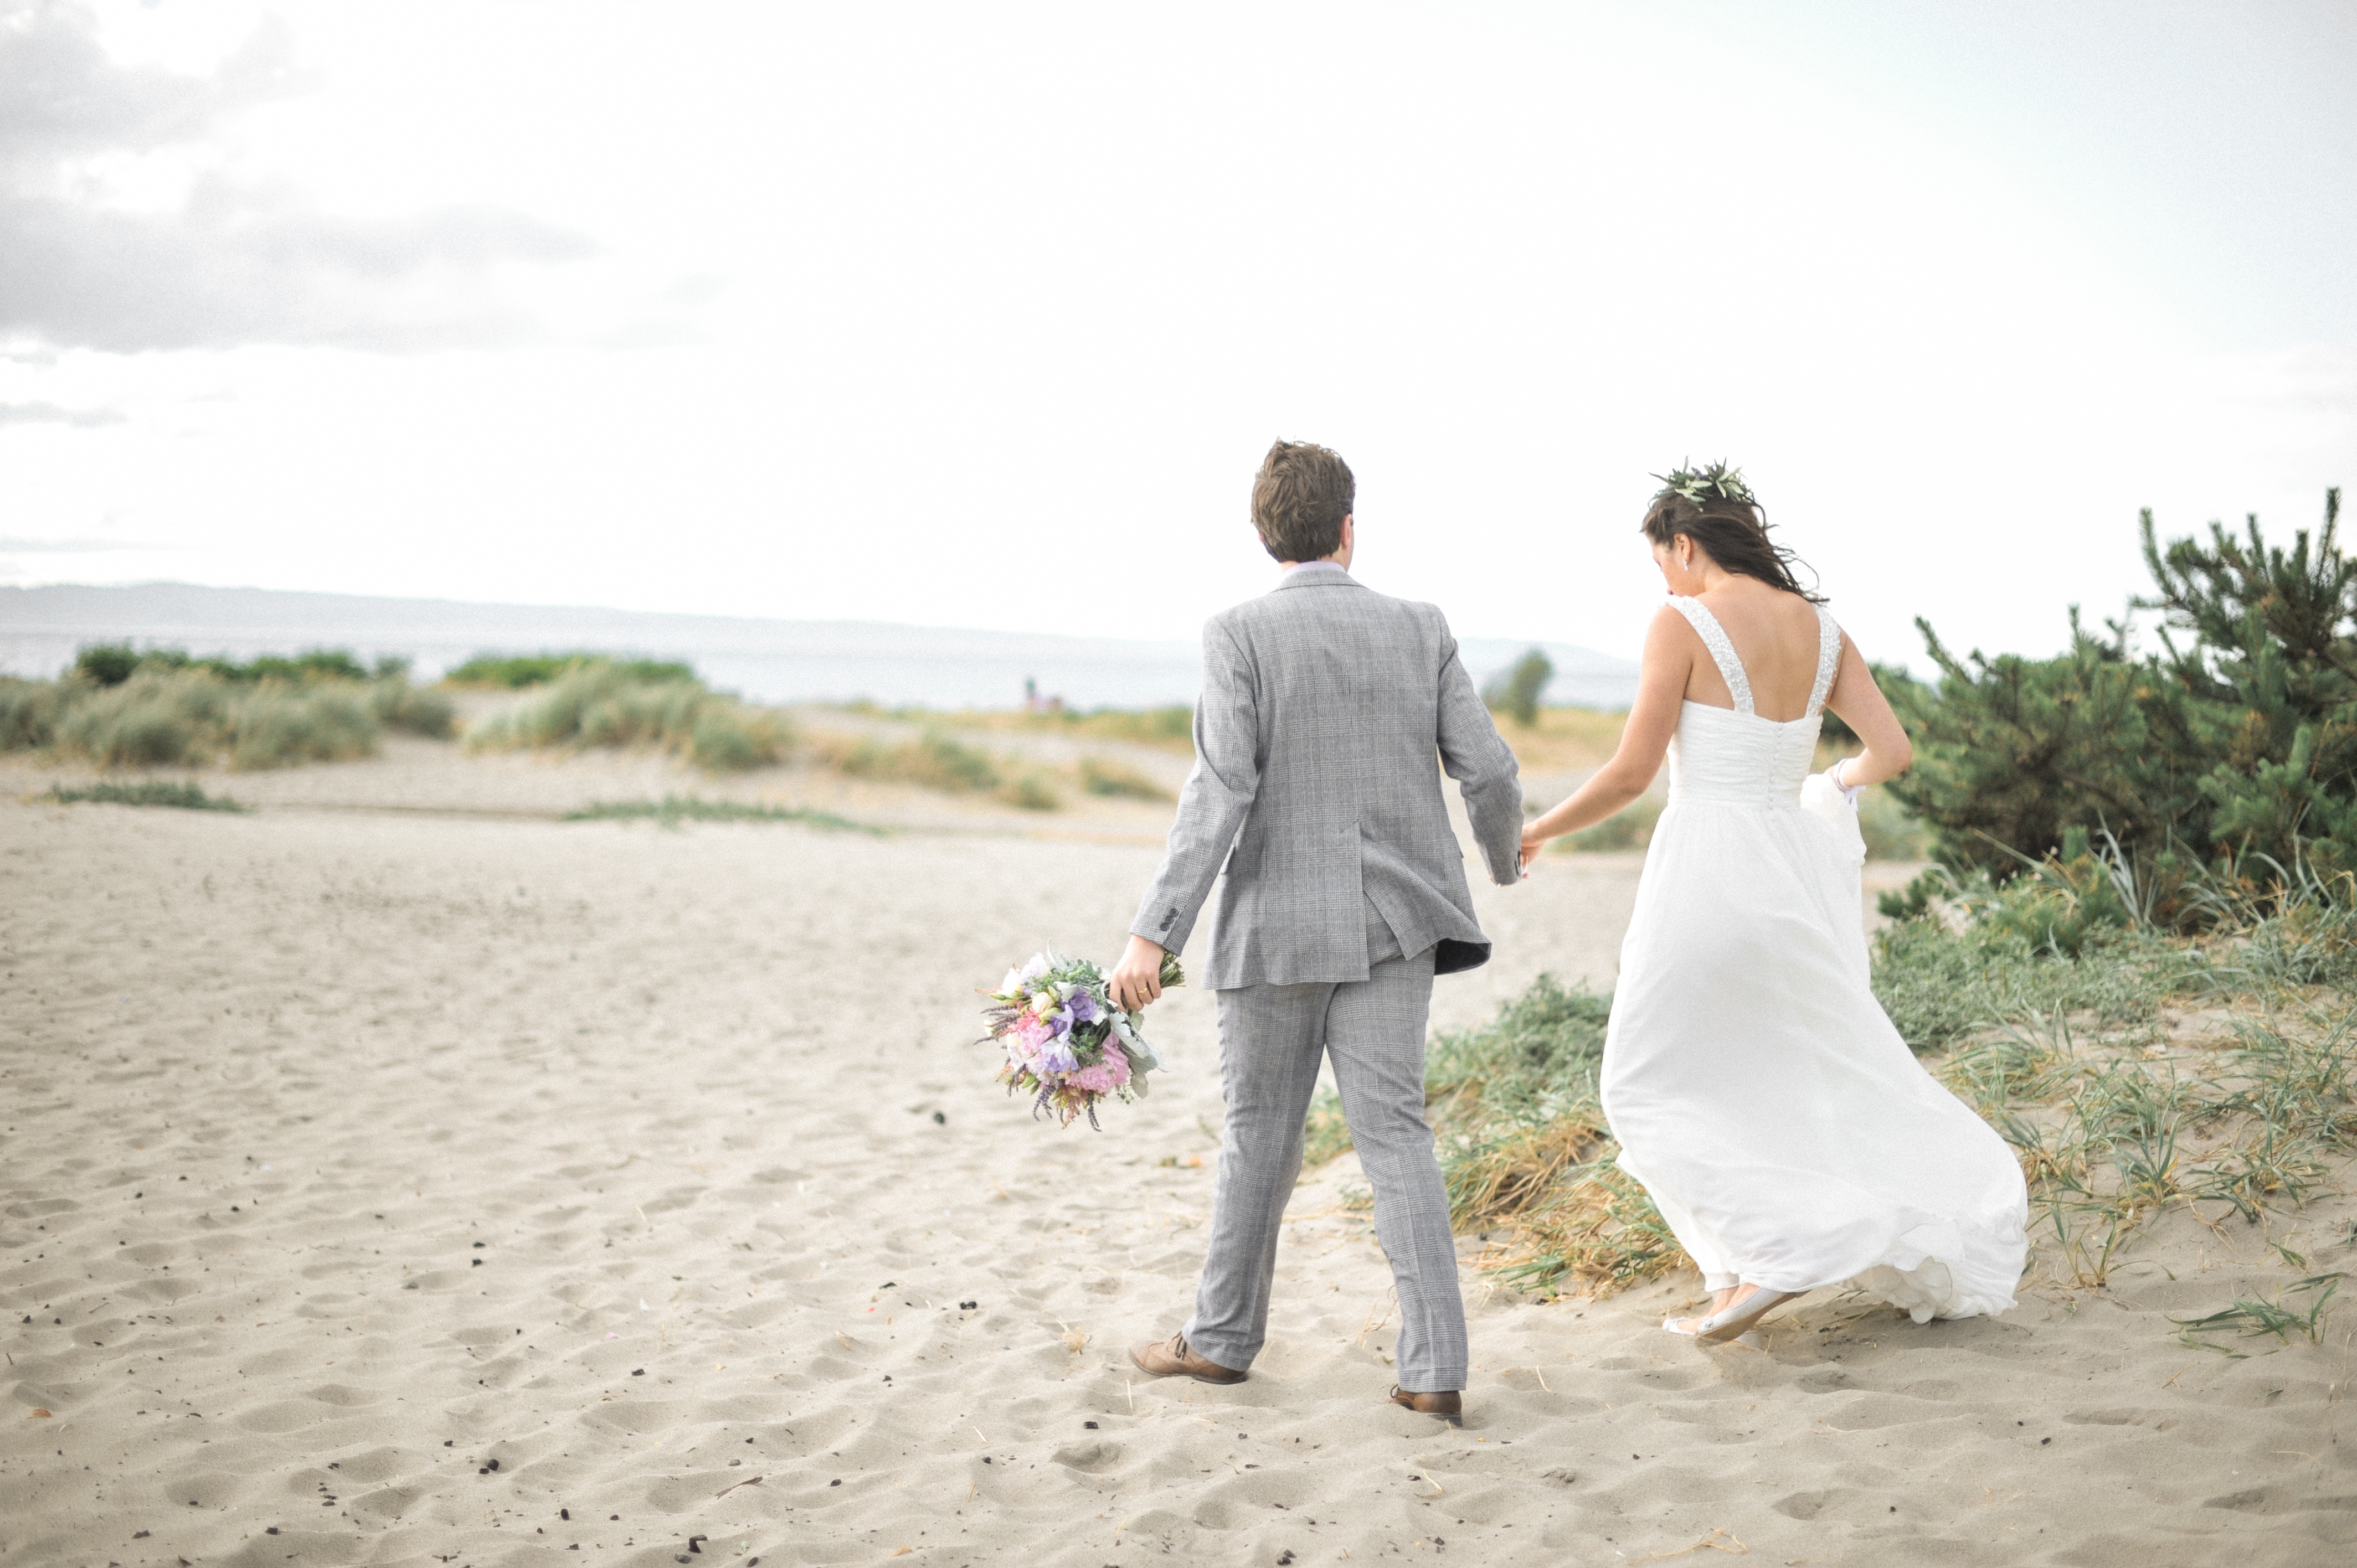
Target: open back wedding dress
[1758, 1091]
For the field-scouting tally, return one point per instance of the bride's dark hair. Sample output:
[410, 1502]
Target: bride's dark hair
[1712, 507]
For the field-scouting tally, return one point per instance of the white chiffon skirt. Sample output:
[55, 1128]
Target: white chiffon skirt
[1761, 1096]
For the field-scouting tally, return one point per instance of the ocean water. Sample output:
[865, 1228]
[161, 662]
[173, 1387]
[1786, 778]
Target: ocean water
[766, 660]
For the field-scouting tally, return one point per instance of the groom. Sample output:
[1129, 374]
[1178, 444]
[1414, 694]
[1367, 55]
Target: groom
[1316, 790]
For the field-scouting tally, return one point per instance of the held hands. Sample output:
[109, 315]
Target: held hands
[1136, 980]
[1532, 843]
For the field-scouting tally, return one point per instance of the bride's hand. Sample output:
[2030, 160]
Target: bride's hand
[1532, 844]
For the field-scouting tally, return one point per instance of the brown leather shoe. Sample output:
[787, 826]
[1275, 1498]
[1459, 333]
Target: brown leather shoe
[1171, 1359]
[1450, 1407]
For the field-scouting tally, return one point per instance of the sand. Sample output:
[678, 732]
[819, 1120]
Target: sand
[400, 1175]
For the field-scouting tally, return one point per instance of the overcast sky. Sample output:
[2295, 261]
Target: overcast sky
[981, 315]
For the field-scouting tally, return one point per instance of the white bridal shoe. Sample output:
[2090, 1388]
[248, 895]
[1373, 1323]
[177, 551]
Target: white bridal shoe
[1732, 1323]
[1745, 1315]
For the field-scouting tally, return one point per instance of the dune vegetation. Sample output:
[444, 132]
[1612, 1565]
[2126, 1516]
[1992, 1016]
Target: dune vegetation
[124, 707]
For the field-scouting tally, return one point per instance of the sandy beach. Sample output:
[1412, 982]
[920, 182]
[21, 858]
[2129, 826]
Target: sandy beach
[399, 1173]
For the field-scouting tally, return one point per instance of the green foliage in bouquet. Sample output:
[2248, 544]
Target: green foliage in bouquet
[2234, 745]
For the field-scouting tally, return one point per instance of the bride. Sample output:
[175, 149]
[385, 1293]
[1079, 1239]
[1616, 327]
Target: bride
[1758, 1091]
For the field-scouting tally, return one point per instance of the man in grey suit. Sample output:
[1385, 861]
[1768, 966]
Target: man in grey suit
[1315, 789]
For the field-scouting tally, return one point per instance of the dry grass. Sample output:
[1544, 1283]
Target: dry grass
[1170, 728]
[935, 759]
[1102, 776]
[1566, 740]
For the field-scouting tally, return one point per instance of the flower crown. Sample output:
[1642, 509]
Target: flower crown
[1711, 482]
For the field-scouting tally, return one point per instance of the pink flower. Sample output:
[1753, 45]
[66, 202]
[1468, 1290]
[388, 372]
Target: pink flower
[1106, 1076]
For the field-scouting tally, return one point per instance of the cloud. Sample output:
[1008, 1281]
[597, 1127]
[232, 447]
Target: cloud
[50, 413]
[235, 265]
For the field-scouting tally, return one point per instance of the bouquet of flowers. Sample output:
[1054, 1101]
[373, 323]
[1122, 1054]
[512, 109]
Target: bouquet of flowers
[1067, 1045]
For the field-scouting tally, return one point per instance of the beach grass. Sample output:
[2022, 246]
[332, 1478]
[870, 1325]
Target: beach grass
[29, 714]
[1566, 740]
[165, 717]
[121, 706]
[597, 704]
[186, 797]
[415, 710]
[672, 810]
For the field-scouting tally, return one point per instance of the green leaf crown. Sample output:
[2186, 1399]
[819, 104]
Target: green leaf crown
[1711, 482]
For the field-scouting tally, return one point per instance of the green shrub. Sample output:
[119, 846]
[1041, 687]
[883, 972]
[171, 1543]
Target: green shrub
[516, 672]
[1100, 777]
[187, 797]
[600, 704]
[106, 663]
[2239, 739]
[1518, 691]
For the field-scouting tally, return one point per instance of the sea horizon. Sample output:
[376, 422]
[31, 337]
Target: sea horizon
[768, 660]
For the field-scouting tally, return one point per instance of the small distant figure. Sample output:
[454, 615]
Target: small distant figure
[1033, 702]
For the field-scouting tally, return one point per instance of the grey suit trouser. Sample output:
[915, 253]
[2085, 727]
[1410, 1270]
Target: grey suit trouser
[1271, 1037]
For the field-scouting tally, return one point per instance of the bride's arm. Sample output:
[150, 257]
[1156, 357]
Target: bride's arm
[1863, 707]
[1670, 647]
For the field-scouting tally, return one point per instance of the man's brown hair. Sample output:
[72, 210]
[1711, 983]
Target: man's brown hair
[1299, 498]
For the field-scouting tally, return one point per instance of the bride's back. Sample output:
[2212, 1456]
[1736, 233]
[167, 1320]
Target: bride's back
[1776, 638]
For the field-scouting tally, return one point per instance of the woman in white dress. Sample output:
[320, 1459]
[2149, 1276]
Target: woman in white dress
[1758, 1091]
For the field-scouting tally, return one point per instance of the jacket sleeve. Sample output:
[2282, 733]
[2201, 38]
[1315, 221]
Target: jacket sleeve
[1477, 756]
[1218, 794]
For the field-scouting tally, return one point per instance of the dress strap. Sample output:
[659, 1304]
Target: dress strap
[1828, 660]
[1722, 651]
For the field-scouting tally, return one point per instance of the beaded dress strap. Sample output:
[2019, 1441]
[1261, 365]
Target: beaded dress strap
[1828, 660]
[1722, 651]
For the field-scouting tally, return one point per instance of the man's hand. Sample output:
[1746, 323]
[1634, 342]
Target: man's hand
[1136, 980]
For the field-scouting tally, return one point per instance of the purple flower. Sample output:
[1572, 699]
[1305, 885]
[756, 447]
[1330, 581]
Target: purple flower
[1083, 1007]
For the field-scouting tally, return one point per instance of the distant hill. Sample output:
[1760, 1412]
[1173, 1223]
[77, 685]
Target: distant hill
[768, 660]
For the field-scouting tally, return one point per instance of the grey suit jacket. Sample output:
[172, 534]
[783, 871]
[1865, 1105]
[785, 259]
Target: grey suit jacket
[1324, 704]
